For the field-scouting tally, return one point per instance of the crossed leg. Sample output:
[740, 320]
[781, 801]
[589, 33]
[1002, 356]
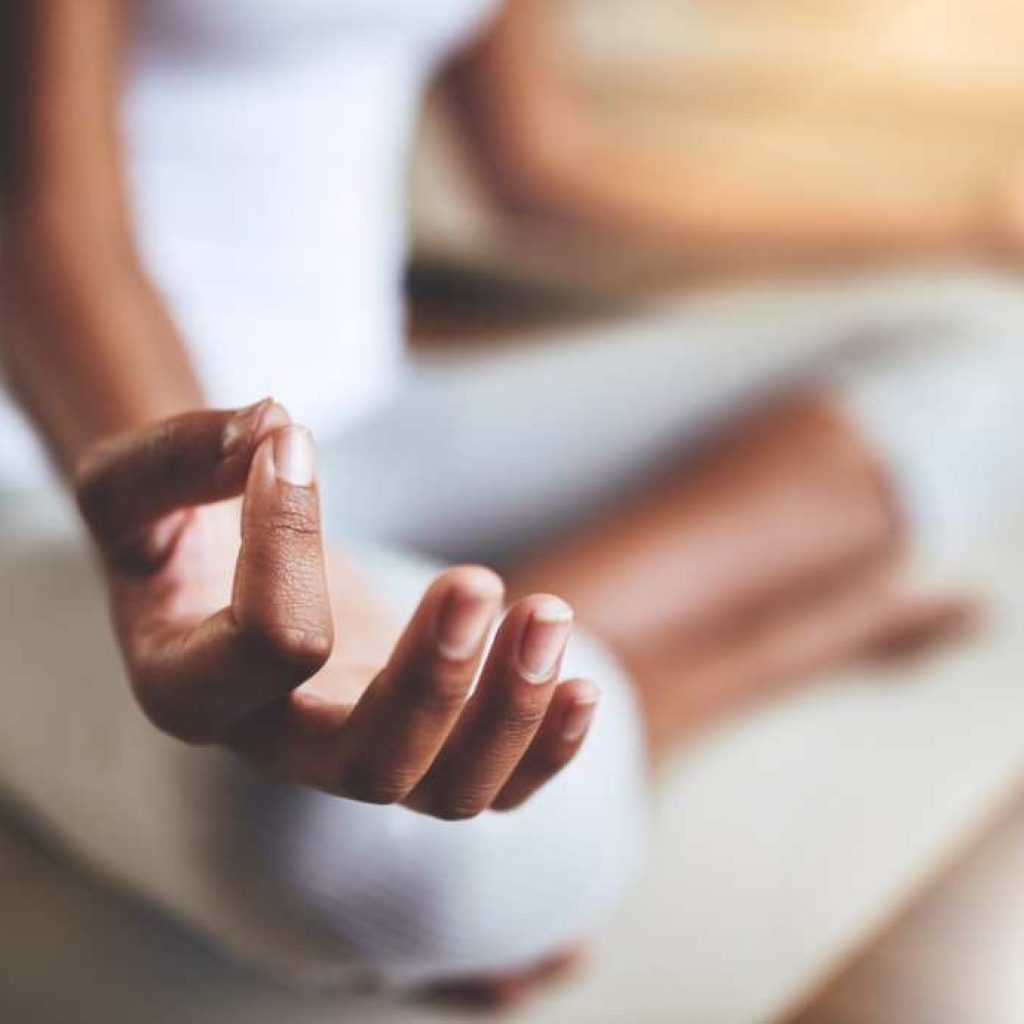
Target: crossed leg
[721, 555]
[776, 555]
[685, 480]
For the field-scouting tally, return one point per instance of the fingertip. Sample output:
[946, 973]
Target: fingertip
[473, 581]
[550, 608]
[580, 701]
[581, 691]
[544, 622]
[274, 418]
[261, 470]
[285, 454]
[248, 427]
[468, 599]
[545, 608]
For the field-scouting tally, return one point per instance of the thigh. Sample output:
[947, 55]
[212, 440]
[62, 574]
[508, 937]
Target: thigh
[301, 884]
[421, 900]
[488, 456]
[78, 759]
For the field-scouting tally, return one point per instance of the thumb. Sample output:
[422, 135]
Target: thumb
[129, 486]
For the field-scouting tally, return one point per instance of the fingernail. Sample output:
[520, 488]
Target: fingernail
[295, 456]
[578, 716]
[463, 622]
[250, 425]
[544, 639]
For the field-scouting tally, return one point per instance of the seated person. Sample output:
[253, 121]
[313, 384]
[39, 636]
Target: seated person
[202, 206]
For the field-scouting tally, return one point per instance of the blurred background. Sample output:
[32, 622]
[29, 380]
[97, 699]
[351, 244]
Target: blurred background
[914, 102]
[877, 874]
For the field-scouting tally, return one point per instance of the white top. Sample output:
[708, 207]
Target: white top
[266, 143]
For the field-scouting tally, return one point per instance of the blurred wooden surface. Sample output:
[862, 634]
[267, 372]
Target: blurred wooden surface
[954, 958]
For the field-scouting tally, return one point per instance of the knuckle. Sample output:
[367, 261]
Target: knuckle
[174, 720]
[303, 649]
[519, 719]
[437, 690]
[371, 784]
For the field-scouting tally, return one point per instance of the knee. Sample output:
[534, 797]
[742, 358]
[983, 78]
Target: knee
[419, 900]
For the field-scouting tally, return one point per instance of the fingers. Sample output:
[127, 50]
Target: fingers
[278, 631]
[557, 742]
[399, 725]
[127, 485]
[280, 603]
[413, 738]
[499, 723]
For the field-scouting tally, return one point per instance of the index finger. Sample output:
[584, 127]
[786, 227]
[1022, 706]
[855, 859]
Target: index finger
[128, 483]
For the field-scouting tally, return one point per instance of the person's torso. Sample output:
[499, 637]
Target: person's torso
[267, 143]
[265, 146]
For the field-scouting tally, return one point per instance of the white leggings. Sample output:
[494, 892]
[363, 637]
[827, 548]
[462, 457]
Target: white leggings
[478, 459]
[488, 455]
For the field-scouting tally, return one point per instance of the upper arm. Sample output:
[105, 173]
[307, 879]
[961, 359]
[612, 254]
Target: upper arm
[59, 149]
[514, 99]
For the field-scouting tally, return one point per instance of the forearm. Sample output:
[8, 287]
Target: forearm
[91, 349]
[87, 345]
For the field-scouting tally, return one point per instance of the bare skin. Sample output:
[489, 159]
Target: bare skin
[776, 555]
[547, 163]
[866, 616]
[787, 497]
[226, 643]
[249, 643]
[234, 643]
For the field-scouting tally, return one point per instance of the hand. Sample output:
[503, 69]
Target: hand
[231, 640]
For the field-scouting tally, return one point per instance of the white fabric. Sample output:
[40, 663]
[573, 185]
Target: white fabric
[265, 148]
[306, 886]
[531, 439]
[947, 419]
[463, 465]
[782, 846]
[266, 145]
[418, 899]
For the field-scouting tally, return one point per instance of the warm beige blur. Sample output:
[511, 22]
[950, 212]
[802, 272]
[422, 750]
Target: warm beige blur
[906, 104]
[844, 94]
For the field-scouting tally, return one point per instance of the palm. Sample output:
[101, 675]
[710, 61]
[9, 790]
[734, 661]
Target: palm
[365, 634]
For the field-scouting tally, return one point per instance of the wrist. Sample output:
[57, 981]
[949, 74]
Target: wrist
[90, 352]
